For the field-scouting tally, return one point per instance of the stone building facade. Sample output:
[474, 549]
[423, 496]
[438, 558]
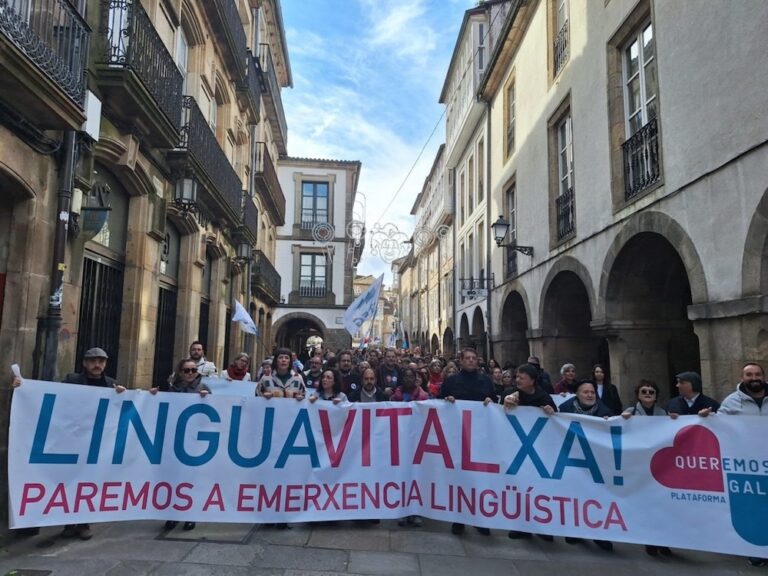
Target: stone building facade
[138, 188]
[318, 248]
[630, 151]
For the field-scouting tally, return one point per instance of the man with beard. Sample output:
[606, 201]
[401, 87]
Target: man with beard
[749, 399]
[315, 372]
[468, 384]
[350, 379]
[388, 373]
[197, 353]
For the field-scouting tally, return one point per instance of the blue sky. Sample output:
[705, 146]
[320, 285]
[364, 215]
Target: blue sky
[367, 76]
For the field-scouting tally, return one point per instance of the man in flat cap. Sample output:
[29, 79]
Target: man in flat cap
[691, 400]
[94, 365]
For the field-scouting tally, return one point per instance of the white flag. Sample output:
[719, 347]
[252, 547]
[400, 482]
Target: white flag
[246, 322]
[363, 308]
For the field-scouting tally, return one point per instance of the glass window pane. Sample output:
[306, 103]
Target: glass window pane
[651, 109]
[651, 83]
[633, 96]
[322, 189]
[635, 123]
[648, 44]
[632, 55]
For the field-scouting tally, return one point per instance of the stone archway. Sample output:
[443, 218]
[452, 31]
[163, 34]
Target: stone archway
[291, 331]
[513, 334]
[566, 335]
[464, 339]
[434, 344]
[448, 343]
[478, 332]
[647, 296]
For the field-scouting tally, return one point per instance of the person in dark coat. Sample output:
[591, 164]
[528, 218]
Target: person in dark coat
[367, 391]
[468, 384]
[93, 374]
[606, 391]
[543, 379]
[586, 402]
[388, 374]
[691, 399]
[526, 392]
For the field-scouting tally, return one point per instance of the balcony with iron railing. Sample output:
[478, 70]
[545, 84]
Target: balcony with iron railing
[642, 166]
[249, 90]
[272, 99]
[43, 57]
[250, 219]
[265, 281]
[200, 156]
[140, 81]
[564, 205]
[227, 26]
[312, 288]
[267, 184]
[560, 50]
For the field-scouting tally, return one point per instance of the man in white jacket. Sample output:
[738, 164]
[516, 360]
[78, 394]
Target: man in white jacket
[750, 399]
[750, 395]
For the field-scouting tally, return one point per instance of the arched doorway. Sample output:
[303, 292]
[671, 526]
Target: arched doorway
[567, 335]
[478, 332]
[647, 298]
[293, 332]
[464, 339]
[448, 344]
[434, 344]
[514, 326]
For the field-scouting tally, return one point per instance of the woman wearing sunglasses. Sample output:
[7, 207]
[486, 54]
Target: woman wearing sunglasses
[646, 397]
[187, 379]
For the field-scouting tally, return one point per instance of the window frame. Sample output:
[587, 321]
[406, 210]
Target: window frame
[642, 67]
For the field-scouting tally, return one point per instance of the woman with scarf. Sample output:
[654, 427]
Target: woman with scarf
[646, 396]
[587, 403]
[238, 370]
[435, 378]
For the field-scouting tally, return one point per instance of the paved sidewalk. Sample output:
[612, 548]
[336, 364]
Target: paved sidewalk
[137, 548]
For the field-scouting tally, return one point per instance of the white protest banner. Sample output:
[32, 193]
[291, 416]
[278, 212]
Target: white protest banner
[224, 387]
[81, 454]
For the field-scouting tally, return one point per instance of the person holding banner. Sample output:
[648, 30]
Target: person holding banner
[93, 374]
[646, 394]
[283, 382]
[526, 392]
[368, 391]
[691, 399]
[587, 403]
[238, 370]
[409, 391]
[330, 388]
[468, 384]
[188, 379]
[749, 399]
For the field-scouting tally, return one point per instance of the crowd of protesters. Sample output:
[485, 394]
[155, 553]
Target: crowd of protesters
[395, 375]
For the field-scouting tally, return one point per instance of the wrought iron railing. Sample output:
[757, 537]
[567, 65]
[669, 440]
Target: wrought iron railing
[560, 47]
[642, 168]
[312, 288]
[265, 280]
[53, 36]
[250, 216]
[198, 139]
[565, 210]
[266, 175]
[130, 41]
[272, 88]
[252, 85]
[235, 30]
[310, 220]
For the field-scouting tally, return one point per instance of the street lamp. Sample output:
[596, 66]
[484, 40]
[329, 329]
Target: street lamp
[185, 195]
[243, 253]
[500, 229]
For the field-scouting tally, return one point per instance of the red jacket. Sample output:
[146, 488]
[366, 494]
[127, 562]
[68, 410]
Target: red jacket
[417, 394]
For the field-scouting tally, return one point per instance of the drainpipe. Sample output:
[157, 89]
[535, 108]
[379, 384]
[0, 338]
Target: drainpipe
[489, 275]
[50, 324]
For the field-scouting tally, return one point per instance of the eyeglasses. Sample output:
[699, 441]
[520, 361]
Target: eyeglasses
[189, 370]
[649, 391]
